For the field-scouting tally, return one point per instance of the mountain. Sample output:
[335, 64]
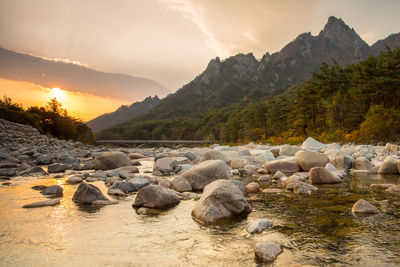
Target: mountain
[229, 81]
[122, 114]
[72, 77]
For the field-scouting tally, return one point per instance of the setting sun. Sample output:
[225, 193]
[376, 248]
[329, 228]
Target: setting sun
[58, 93]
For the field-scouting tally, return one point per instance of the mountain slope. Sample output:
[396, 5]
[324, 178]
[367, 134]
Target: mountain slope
[241, 75]
[122, 114]
[72, 77]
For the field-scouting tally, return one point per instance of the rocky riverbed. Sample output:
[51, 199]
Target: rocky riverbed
[69, 204]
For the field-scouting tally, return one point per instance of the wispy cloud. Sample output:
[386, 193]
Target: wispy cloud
[194, 13]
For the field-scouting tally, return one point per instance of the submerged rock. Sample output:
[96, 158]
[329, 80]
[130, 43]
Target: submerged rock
[220, 202]
[54, 190]
[363, 206]
[258, 226]
[155, 196]
[267, 252]
[49, 202]
[207, 172]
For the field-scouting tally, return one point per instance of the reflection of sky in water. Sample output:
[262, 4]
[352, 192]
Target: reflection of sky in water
[316, 230]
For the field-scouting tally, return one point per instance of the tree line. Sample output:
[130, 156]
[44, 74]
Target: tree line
[51, 119]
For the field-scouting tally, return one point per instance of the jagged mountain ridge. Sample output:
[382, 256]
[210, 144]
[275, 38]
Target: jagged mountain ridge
[295, 63]
[122, 114]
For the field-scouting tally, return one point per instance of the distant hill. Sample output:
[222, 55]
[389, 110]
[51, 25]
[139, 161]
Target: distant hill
[240, 76]
[122, 114]
[72, 77]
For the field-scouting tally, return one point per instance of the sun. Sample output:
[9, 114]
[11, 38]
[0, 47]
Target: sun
[58, 93]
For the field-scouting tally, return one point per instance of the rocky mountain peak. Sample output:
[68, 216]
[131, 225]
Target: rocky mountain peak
[340, 34]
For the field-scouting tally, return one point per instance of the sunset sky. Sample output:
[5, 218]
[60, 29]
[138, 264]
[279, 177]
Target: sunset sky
[169, 41]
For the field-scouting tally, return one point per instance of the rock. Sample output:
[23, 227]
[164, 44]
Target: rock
[388, 166]
[214, 155]
[165, 165]
[221, 201]
[39, 187]
[155, 196]
[111, 160]
[32, 170]
[128, 169]
[139, 182]
[238, 163]
[394, 190]
[44, 160]
[136, 156]
[258, 226]
[288, 150]
[244, 152]
[111, 180]
[54, 190]
[180, 184]
[74, 179]
[126, 187]
[309, 159]
[284, 165]
[363, 206]
[278, 175]
[136, 163]
[189, 155]
[320, 175]
[362, 163]
[57, 167]
[116, 192]
[312, 144]
[253, 187]
[206, 172]
[265, 156]
[381, 186]
[267, 252]
[342, 162]
[272, 191]
[99, 202]
[9, 172]
[87, 194]
[302, 188]
[49, 202]
[8, 165]
[265, 178]
[148, 211]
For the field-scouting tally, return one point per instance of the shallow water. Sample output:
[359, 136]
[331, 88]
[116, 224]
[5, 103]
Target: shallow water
[318, 229]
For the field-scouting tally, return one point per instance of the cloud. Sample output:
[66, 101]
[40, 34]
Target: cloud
[194, 13]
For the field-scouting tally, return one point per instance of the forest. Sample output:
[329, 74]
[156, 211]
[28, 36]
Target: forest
[52, 120]
[356, 103]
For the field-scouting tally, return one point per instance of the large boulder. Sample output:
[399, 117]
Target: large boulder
[165, 165]
[88, 194]
[207, 172]
[111, 160]
[221, 201]
[320, 175]
[284, 165]
[309, 159]
[363, 206]
[312, 144]
[157, 197]
[362, 163]
[388, 166]
[267, 252]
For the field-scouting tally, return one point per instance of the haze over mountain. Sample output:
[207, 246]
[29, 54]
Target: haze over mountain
[224, 82]
[72, 77]
[122, 114]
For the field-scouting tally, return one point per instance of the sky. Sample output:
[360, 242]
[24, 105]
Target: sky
[172, 41]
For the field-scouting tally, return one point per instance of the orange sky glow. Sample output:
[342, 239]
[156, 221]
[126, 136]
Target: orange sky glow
[79, 105]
